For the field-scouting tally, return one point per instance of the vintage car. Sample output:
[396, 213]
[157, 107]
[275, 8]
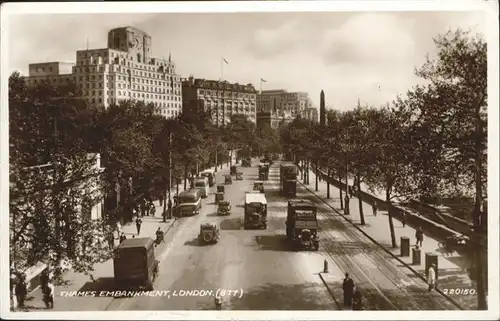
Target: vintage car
[246, 162]
[239, 176]
[228, 179]
[135, 265]
[233, 170]
[220, 188]
[258, 186]
[209, 233]
[219, 196]
[224, 208]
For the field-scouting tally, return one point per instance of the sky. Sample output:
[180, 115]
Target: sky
[369, 56]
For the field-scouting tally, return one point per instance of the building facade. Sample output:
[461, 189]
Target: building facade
[275, 107]
[125, 70]
[221, 98]
[311, 113]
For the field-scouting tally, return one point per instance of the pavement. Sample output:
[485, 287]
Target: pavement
[75, 281]
[453, 268]
[258, 270]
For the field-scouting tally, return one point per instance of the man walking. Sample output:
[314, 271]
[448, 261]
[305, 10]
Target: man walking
[348, 287]
[138, 223]
[169, 205]
[374, 209]
[419, 235]
[122, 238]
[431, 277]
[404, 219]
[346, 204]
[48, 295]
[21, 290]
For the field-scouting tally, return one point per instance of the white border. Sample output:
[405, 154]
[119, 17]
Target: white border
[263, 6]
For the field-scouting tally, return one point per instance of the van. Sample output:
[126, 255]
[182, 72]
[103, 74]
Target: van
[210, 174]
[135, 265]
[201, 183]
[189, 202]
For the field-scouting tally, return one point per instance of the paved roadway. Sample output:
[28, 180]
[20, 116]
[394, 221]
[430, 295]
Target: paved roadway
[256, 261]
[271, 276]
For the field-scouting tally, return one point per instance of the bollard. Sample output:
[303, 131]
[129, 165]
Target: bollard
[416, 256]
[405, 246]
[325, 266]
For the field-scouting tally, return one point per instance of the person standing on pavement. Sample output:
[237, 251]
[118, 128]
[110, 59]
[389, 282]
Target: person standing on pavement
[374, 209]
[346, 204]
[48, 295]
[21, 290]
[348, 287]
[419, 235]
[152, 208]
[138, 223]
[122, 238]
[431, 277]
[357, 300]
[169, 208]
[404, 219]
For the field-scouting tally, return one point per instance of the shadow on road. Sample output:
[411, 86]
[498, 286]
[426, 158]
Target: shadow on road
[193, 242]
[101, 284]
[274, 296]
[349, 248]
[231, 224]
[273, 243]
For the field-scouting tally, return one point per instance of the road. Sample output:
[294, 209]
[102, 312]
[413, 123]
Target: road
[268, 275]
[254, 261]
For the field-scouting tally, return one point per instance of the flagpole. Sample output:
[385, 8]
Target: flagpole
[261, 85]
[222, 69]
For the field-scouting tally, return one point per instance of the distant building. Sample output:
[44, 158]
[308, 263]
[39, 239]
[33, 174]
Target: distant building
[125, 70]
[221, 99]
[311, 113]
[282, 106]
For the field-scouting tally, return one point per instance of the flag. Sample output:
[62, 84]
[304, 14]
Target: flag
[262, 79]
[225, 61]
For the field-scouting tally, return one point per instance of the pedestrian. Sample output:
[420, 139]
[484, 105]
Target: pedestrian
[431, 277]
[419, 235]
[357, 300]
[374, 209]
[404, 219]
[122, 238]
[44, 278]
[21, 290]
[161, 200]
[169, 208]
[111, 240]
[348, 287]
[48, 295]
[152, 208]
[346, 204]
[138, 223]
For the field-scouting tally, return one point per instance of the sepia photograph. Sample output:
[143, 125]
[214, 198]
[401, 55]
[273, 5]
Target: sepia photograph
[250, 159]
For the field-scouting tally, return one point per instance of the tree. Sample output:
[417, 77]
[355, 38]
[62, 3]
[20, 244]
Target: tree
[453, 118]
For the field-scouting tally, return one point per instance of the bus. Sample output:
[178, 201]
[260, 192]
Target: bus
[189, 202]
[202, 184]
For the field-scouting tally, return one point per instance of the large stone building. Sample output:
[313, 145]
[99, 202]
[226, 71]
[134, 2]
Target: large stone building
[275, 107]
[125, 70]
[221, 98]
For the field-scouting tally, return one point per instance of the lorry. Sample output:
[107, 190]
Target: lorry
[302, 224]
[255, 211]
[288, 179]
[135, 265]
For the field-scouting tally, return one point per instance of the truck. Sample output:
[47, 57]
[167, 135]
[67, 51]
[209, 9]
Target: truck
[288, 179]
[135, 265]
[302, 224]
[255, 210]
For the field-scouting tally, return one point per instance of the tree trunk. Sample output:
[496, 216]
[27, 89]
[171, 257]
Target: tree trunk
[340, 194]
[328, 173]
[391, 223]
[185, 176]
[316, 176]
[361, 213]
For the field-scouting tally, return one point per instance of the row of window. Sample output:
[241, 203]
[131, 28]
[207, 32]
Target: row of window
[112, 100]
[128, 78]
[110, 54]
[125, 93]
[161, 91]
[233, 94]
[83, 67]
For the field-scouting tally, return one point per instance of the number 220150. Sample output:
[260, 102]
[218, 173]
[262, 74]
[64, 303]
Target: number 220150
[459, 291]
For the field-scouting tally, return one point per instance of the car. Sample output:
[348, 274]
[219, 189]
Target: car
[209, 233]
[228, 179]
[258, 186]
[224, 208]
[239, 176]
[219, 196]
